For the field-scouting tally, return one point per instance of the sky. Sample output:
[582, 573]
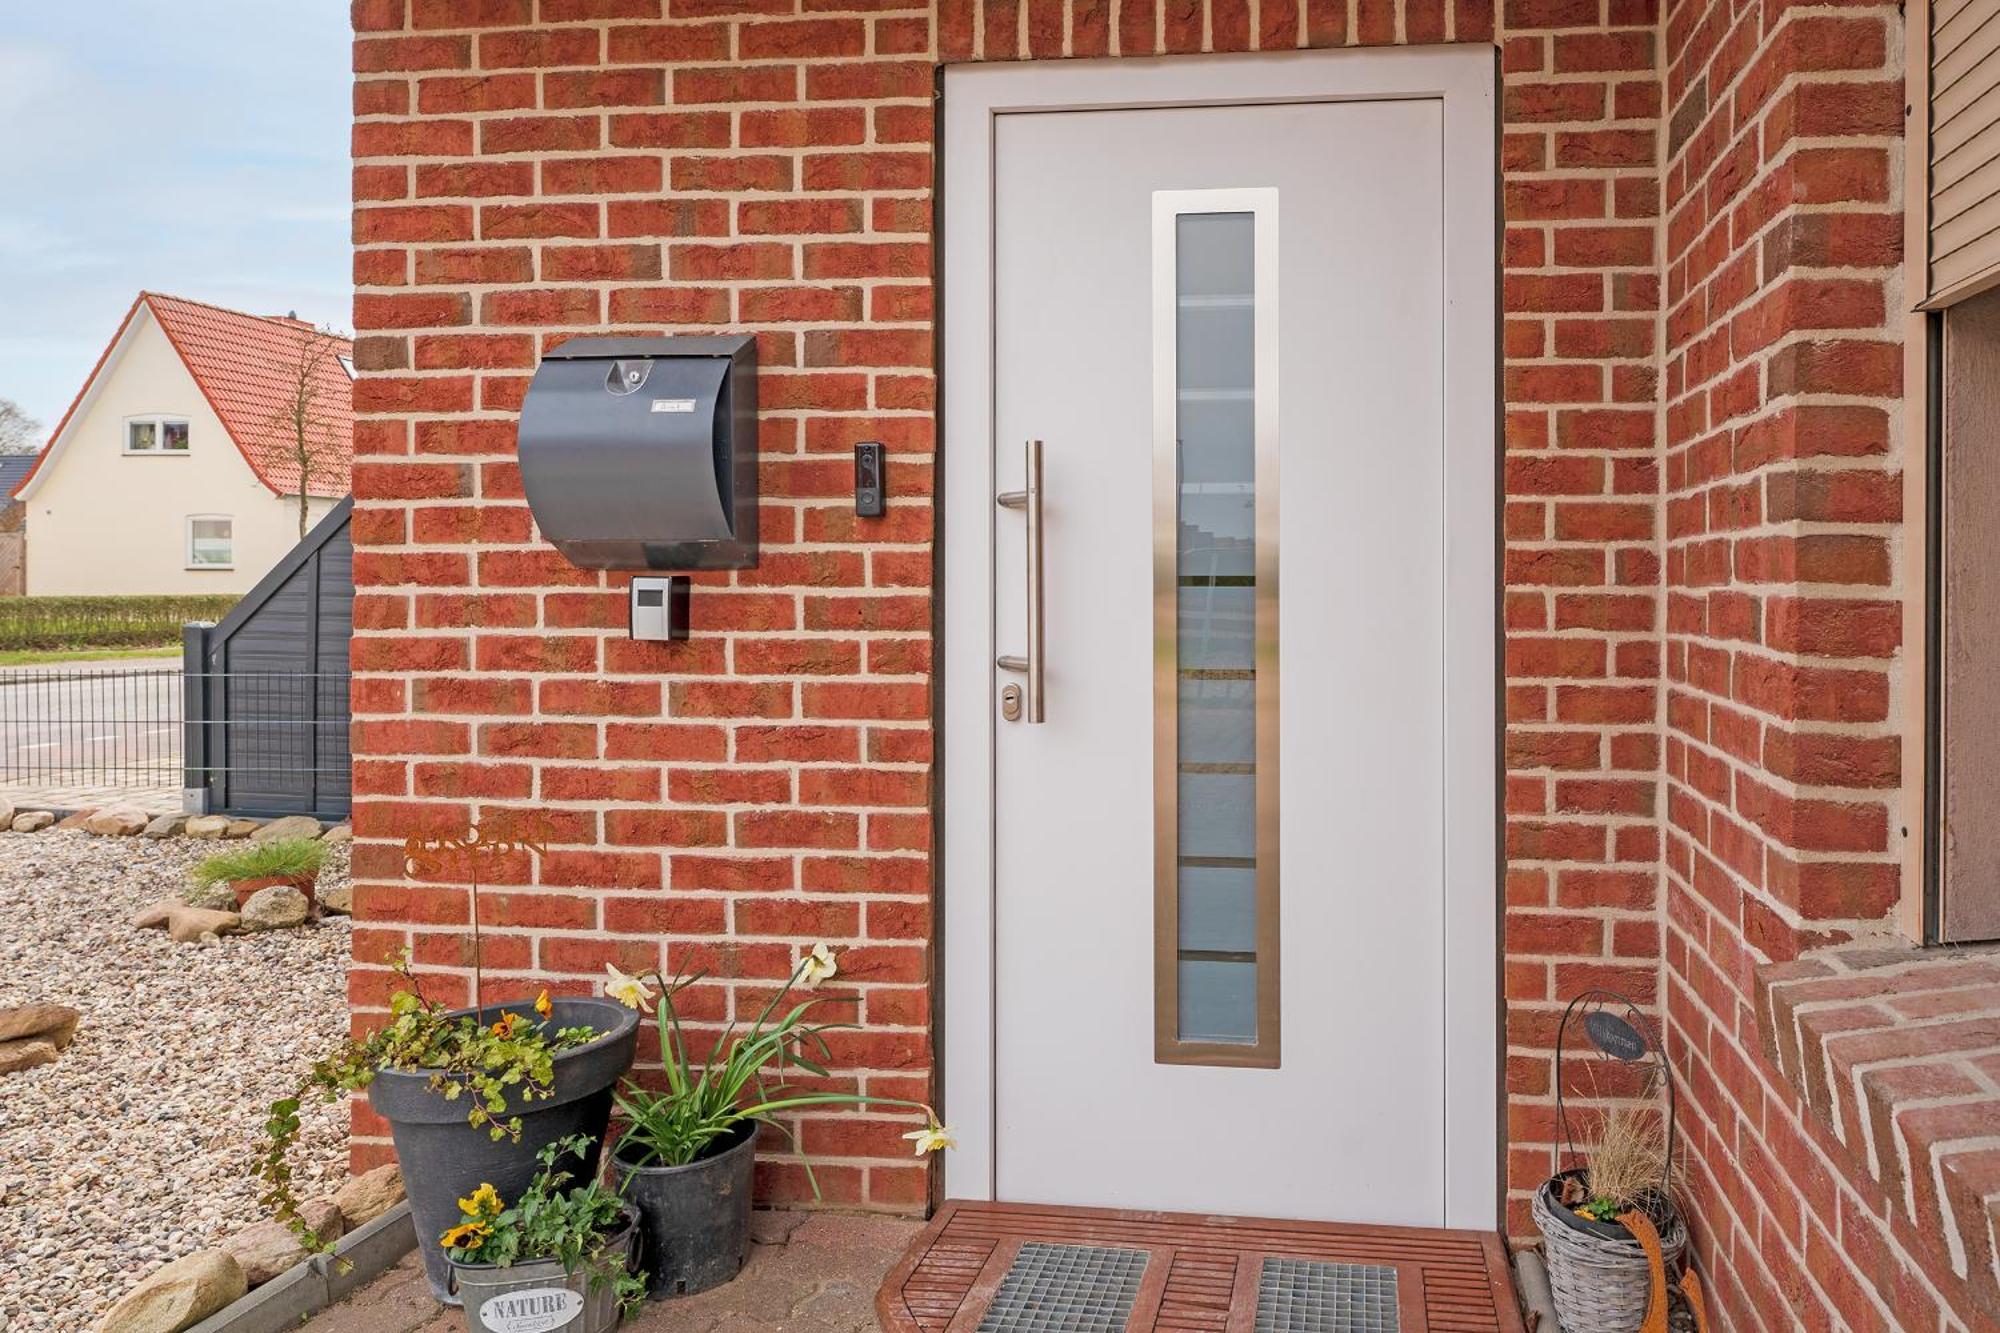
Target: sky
[193, 147]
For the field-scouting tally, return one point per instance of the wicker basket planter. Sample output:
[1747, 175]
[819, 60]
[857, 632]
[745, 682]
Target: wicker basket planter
[1600, 1277]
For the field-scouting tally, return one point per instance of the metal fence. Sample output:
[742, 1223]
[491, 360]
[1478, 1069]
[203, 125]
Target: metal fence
[267, 742]
[67, 738]
[166, 739]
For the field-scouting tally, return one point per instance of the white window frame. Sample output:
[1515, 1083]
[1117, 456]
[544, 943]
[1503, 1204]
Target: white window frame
[187, 544]
[159, 421]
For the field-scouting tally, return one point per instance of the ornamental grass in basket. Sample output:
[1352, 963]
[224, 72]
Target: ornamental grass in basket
[1612, 1233]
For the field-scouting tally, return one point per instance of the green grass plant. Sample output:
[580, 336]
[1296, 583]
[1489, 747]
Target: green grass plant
[284, 858]
[705, 1099]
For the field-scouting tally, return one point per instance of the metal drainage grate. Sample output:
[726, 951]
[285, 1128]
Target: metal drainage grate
[1302, 1296]
[1066, 1289]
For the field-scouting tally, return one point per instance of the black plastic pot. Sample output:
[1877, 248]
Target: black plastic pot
[694, 1220]
[444, 1159]
[1659, 1209]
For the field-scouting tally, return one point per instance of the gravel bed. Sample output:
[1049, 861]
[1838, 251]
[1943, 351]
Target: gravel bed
[134, 1148]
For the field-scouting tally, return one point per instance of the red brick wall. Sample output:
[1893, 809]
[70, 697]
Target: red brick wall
[1783, 446]
[525, 172]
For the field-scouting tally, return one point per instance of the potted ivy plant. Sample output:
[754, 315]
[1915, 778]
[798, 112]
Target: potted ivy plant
[472, 1096]
[685, 1158]
[242, 871]
[559, 1256]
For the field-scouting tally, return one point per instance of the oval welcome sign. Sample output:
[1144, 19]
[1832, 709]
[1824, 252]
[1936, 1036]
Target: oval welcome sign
[537, 1310]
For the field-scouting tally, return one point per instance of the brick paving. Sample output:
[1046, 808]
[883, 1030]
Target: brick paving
[61, 793]
[808, 1273]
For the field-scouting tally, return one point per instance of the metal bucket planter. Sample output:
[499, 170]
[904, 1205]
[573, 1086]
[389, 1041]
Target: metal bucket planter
[694, 1220]
[444, 1159]
[541, 1296]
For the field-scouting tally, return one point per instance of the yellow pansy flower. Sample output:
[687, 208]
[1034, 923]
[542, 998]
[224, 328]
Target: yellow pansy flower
[464, 1236]
[485, 1202]
[544, 1005]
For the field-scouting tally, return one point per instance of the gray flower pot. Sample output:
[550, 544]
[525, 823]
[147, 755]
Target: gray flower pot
[694, 1220]
[444, 1159]
[542, 1295]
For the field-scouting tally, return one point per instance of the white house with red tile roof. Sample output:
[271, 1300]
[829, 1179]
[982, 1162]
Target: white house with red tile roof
[174, 471]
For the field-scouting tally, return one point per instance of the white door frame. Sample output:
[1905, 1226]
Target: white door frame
[1463, 79]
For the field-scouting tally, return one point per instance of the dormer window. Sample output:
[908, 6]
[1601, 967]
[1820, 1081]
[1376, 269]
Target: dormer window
[156, 435]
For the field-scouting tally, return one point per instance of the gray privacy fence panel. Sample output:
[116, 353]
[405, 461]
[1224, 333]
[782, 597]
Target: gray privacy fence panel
[266, 689]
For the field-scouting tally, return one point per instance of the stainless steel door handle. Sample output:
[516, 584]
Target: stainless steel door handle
[1029, 502]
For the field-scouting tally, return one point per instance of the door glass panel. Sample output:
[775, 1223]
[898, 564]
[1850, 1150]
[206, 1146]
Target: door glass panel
[1217, 878]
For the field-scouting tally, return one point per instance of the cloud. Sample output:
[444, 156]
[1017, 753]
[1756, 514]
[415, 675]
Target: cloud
[199, 149]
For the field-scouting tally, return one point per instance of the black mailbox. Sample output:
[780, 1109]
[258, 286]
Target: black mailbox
[641, 453]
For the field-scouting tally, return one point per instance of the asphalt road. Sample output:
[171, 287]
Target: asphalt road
[91, 724]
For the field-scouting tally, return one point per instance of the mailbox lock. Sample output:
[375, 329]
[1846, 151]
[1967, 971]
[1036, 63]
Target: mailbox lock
[627, 376]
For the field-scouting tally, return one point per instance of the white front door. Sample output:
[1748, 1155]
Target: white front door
[1230, 862]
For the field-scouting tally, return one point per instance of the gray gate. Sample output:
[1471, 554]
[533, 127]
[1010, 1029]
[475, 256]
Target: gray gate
[266, 689]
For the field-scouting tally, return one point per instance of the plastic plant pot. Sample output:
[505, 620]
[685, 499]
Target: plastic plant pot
[444, 1159]
[246, 889]
[694, 1220]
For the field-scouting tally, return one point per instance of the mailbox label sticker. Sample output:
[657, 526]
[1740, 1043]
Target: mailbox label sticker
[673, 404]
[539, 1310]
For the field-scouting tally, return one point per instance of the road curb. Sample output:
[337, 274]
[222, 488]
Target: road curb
[357, 1259]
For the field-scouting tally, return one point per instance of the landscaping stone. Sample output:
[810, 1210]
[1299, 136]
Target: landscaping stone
[187, 924]
[265, 1249]
[178, 1296]
[241, 828]
[336, 898]
[278, 907]
[217, 896]
[76, 820]
[165, 826]
[117, 821]
[133, 1148]
[19, 1055]
[290, 826]
[338, 833]
[369, 1195]
[7, 813]
[48, 1022]
[207, 826]
[31, 821]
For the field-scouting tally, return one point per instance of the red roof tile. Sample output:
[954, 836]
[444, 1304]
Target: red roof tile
[244, 365]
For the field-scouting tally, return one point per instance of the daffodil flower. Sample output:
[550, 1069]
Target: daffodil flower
[544, 1005]
[932, 1138]
[817, 966]
[629, 991]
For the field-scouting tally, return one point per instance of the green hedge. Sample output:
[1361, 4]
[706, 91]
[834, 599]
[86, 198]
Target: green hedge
[41, 623]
